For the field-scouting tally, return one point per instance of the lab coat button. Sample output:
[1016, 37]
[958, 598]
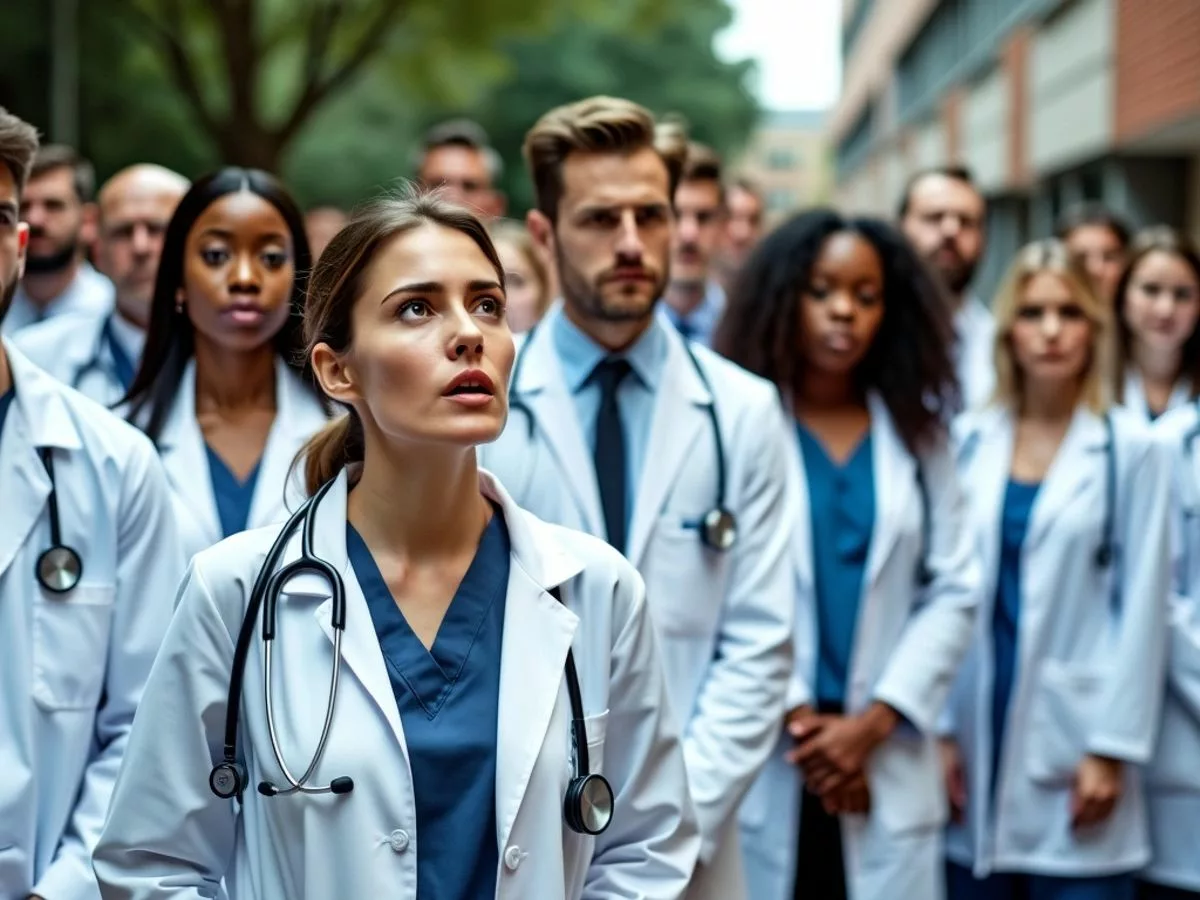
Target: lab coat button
[513, 857]
[399, 840]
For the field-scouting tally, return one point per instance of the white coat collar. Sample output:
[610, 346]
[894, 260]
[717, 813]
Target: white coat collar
[538, 631]
[37, 418]
[1134, 394]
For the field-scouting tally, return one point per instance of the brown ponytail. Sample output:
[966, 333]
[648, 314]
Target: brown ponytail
[333, 448]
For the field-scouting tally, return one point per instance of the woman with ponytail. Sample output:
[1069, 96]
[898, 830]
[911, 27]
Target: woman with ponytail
[454, 717]
[220, 389]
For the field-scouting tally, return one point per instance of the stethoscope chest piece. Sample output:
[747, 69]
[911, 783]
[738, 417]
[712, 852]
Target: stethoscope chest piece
[59, 569]
[227, 780]
[588, 807]
[719, 529]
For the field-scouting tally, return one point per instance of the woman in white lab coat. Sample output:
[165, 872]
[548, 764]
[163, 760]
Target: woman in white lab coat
[1057, 705]
[1158, 310]
[220, 389]
[842, 316]
[452, 744]
[1173, 777]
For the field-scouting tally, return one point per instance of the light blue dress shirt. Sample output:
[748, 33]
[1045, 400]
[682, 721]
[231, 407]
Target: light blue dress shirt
[700, 324]
[579, 355]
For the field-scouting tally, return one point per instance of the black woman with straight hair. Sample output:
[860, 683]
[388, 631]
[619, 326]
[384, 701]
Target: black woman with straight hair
[844, 318]
[220, 389]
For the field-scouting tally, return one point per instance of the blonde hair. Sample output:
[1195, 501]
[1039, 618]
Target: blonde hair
[1051, 257]
[596, 125]
[507, 231]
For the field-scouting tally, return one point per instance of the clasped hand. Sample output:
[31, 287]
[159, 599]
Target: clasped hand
[833, 750]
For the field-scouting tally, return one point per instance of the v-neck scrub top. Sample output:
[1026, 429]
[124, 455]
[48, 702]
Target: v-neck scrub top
[842, 507]
[448, 698]
[233, 497]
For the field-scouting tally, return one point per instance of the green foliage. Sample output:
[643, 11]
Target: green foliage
[335, 93]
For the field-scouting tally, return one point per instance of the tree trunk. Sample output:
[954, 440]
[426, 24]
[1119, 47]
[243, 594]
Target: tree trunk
[247, 143]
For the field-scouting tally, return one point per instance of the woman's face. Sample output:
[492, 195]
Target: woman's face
[1051, 336]
[841, 306]
[431, 314]
[1162, 302]
[524, 289]
[237, 272]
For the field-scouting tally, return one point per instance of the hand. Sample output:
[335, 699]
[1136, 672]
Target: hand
[855, 797]
[833, 749]
[956, 779]
[1098, 786]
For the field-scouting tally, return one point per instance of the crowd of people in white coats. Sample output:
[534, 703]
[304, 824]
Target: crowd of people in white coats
[755, 565]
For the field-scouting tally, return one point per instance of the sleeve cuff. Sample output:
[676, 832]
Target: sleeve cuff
[69, 877]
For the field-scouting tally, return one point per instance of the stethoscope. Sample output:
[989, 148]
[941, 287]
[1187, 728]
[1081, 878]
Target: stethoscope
[119, 360]
[717, 527]
[589, 801]
[58, 567]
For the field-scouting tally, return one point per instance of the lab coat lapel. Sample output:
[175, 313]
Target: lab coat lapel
[896, 491]
[543, 391]
[181, 446]
[985, 461]
[1134, 394]
[802, 548]
[360, 645]
[1073, 470]
[37, 418]
[679, 421]
[298, 415]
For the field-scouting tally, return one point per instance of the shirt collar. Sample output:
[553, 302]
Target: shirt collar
[131, 338]
[579, 355]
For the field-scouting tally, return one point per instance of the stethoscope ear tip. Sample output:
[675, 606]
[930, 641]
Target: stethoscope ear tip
[267, 789]
[343, 785]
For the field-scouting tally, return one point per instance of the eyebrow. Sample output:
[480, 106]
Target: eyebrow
[10, 206]
[436, 287]
[228, 235]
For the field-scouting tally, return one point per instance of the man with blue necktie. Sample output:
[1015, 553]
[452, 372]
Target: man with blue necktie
[98, 352]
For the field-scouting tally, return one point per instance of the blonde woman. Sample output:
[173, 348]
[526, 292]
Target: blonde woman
[1158, 310]
[1057, 704]
[525, 276]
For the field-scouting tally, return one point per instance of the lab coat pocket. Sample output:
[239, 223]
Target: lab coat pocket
[1060, 717]
[70, 647]
[685, 580]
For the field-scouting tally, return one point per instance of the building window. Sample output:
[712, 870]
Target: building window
[856, 146]
[782, 159]
[781, 200]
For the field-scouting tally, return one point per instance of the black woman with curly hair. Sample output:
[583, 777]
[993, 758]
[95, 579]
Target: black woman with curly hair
[843, 316]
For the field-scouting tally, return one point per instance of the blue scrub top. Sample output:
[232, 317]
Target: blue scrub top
[6, 400]
[842, 508]
[1014, 524]
[449, 699]
[233, 497]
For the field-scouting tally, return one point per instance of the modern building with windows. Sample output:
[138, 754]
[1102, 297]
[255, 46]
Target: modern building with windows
[1049, 102]
[788, 156]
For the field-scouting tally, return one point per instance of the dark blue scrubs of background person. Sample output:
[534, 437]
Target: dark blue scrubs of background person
[448, 698]
[233, 497]
[1019, 498]
[842, 505]
[6, 400]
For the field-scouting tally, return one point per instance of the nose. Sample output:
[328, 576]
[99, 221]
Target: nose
[688, 229]
[466, 337]
[951, 226]
[244, 275]
[142, 245]
[629, 240]
[34, 214]
[841, 305]
[1051, 325]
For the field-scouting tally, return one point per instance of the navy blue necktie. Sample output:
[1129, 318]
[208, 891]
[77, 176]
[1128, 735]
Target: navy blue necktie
[610, 449]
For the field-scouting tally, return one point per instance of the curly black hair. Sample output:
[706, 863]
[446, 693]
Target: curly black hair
[910, 363]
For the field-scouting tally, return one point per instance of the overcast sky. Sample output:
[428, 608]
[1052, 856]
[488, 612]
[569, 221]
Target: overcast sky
[797, 46]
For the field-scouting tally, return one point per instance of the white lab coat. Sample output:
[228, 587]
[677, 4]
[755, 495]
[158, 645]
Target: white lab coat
[1173, 778]
[908, 645]
[73, 349]
[1134, 395]
[1088, 679]
[724, 620]
[89, 293]
[170, 837]
[298, 416]
[976, 352]
[72, 666]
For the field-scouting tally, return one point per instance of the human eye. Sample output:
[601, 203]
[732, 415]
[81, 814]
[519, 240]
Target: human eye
[214, 255]
[490, 305]
[1072, 311]
[275, 259]
[1030, 312]
[414, 310]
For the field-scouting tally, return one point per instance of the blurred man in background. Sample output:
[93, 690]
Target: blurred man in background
[57, 205]
[321, 223]
[1099, 240]
[942, 214]
[98, 351]
[743, 228]
[694, 299]
[458, 157]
